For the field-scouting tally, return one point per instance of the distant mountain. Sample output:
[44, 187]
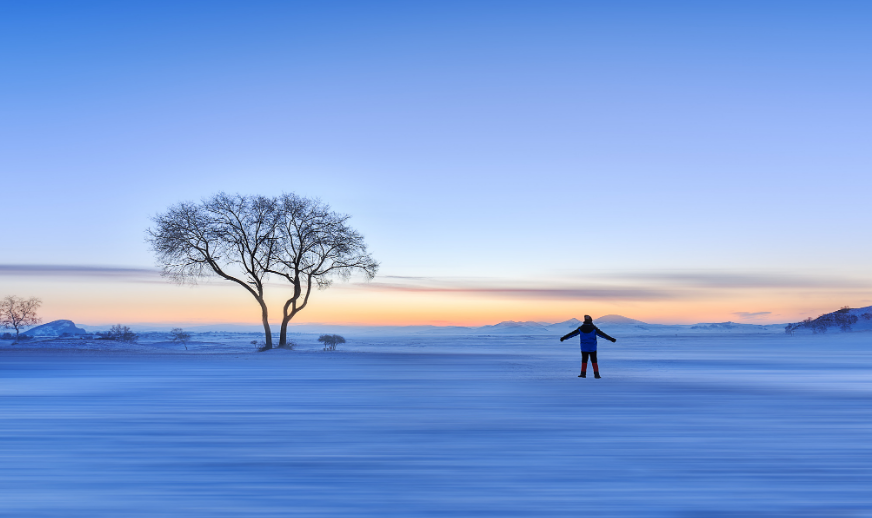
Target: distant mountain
[512, 327]
[617, 319]
[723, 325]
[566, 325]
[56, 328]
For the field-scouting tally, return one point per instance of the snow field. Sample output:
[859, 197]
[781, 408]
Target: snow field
[722, 426]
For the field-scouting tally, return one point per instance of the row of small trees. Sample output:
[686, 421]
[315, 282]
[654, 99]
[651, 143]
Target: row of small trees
[841, 318]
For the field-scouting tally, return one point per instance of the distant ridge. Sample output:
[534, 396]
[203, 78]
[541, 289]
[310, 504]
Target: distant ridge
[617, 319]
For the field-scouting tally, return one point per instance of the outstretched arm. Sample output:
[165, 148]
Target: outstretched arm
[603, 335]
[570, 335]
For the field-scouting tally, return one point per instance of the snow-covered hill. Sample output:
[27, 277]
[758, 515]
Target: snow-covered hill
[845, 319]
[55, 328]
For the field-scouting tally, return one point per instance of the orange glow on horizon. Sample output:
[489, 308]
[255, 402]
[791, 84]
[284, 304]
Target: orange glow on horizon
[158, 303]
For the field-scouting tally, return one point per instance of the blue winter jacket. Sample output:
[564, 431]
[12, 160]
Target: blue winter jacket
[587, 334]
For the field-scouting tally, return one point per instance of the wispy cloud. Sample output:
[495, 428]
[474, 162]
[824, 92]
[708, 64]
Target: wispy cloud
[738, 280]
[543, 292]
[745, 314]
[644, 286]
[623, 286]
[82, 272]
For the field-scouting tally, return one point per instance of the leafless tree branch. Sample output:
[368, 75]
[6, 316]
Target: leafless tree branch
[245, 239]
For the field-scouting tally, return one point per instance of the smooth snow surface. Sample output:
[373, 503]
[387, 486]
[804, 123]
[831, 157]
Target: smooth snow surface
[700, 426]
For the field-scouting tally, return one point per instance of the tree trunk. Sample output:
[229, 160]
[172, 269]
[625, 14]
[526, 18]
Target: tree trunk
[283, 336]
[267, 332]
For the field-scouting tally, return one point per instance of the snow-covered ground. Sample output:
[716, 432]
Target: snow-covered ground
[714, 425]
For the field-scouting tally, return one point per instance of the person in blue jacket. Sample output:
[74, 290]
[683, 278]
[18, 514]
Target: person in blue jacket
[587, 333]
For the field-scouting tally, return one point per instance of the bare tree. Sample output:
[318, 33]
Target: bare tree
[246, 239]
[228, 236]
[315, 246]
[180, 336]
[17, 313]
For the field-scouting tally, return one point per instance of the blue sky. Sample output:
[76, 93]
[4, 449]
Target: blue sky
[478, 146]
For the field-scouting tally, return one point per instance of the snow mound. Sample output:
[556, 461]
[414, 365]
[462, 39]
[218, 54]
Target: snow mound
[55, 328]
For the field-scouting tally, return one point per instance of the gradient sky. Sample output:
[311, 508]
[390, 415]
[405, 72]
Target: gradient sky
[668, 161]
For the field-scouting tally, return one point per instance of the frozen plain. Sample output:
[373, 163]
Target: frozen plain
[683, 426]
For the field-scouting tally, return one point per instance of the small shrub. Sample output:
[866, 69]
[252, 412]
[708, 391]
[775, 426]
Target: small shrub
[260, 345]
[290, 345]
[330, 341]
[118, 333]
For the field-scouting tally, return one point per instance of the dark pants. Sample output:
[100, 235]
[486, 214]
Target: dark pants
[584, 355]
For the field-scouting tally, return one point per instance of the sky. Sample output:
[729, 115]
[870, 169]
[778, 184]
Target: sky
[673, 162]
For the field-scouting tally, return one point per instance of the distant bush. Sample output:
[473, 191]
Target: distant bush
[840, 318]
[6, 336]
[330, 341]
[118, 333]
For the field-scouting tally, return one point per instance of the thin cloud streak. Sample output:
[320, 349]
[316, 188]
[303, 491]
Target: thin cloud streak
[598, 286]
[111, 273]
[538, 293]
[82, 272]
[632, 286]
[731, 280]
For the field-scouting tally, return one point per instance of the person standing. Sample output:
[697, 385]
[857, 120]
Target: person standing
[587, 333]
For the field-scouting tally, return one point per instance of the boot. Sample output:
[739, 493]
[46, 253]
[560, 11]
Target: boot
[583, 371]
[596, 371]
